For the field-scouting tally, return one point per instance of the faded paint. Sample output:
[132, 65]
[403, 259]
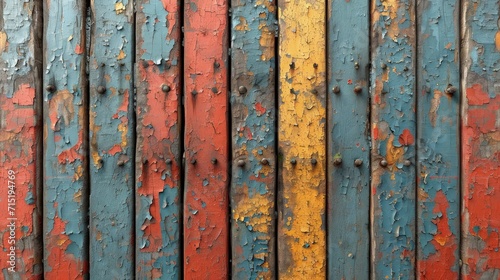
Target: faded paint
[253, 107]
[20, 131]
[158, 157]
[302, 115]
[393, 145]
[348, 130]
[111, 123]
[481, 141]
[65, 145]
[438, 228]
[206, 229]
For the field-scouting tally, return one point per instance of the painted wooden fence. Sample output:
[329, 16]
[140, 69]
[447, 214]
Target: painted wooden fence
[260, 139]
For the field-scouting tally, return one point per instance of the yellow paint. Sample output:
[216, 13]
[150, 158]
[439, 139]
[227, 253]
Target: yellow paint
[243, 26]
[302, 136]
[497, 41]
[119, 8]
[94, 152]
[123, 128]
[78, 174]
[390, 10]
[77, 197]
[3, 41]
[121, 55]
[266, 42]
[248, 206]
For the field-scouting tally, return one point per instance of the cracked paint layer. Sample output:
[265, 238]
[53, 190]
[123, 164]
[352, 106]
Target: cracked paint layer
[65, 146]
[481, 140]
[438, 193]
[253, 109]
[111, 135]
[348, 128]
[393, 140]
[158, 157]
[20, 85]
[206, 216]
[301, 140]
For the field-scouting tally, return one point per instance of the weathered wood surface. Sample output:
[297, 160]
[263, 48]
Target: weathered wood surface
[158, 159]
[393, 139]
[20, 143]
[302, 140]
[481, 140]
[348, 144]
[253, 183]
[206, 202]
[111, 140]
[65, 141]
[438, 193]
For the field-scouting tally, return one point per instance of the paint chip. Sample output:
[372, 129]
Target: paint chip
[119, 8]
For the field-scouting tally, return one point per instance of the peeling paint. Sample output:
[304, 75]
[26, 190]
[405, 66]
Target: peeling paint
[438, 222]
[393, 149]
[348, 130]
[111, 112]
[65, 130]
[480, 141]
[253, 107]
[20, 131]
[302, 146]
[206, 215]
[158, 157]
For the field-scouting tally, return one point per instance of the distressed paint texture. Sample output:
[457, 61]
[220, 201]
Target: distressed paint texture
[438, 194]
[111, 141]
[158, 158]
[481, 140]
[348, 144]
[206, 216]
[65, 141]
[20, 85]
[253, 108]
[393, 139]
[301, 140]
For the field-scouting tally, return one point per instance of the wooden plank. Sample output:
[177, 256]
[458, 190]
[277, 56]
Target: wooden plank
[481, 140]
[348, 144]
[393, 139]
[438, 166]
[65, 141]
[111, 140]
[301, 140]
[20, 133]
[253, 108]
[206, 229]
[158, 158]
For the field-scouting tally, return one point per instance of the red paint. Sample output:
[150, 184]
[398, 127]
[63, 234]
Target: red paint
[206, 217]
[406, 138]
[439, 264]
[261, 110]
[375, 132]
[17, 141]
[481, 178]
[79, 49]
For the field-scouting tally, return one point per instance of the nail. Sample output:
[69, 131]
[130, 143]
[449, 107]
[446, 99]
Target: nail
[358, 162]
[383, 163]
[358, 89]
[165, 88]
[241, 163]
[51, 88]
[242, 89]
[337, 161]
[264, 161]
[101, 89]
[336, 89]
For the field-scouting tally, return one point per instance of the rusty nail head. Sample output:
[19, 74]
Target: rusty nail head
[383, 66]
[336, 89]
[145, 161]
[215, 90]
[407, 162]
[358, 89]
[314, 161]
[383, 163]
[165, 88]
[314, 91]
[242, 89]
[168, 161]
[121, 163]
[145, 64]
[356, 65]
[315, 65]
[264, 161]
[337, 161]
[100, 161]
[101, 89]
[51, 88]
[193, 161]
[214, 160]
[451, 90]
[241, 163]
[293, 161]
[194, 92]
[358, 162]
[405, 69]
[216, 64]
[292, 65]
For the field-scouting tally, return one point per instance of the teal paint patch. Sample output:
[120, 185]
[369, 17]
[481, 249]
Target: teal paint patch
[254, 122]
[348, 113]
[393, 140]
[111, 140]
